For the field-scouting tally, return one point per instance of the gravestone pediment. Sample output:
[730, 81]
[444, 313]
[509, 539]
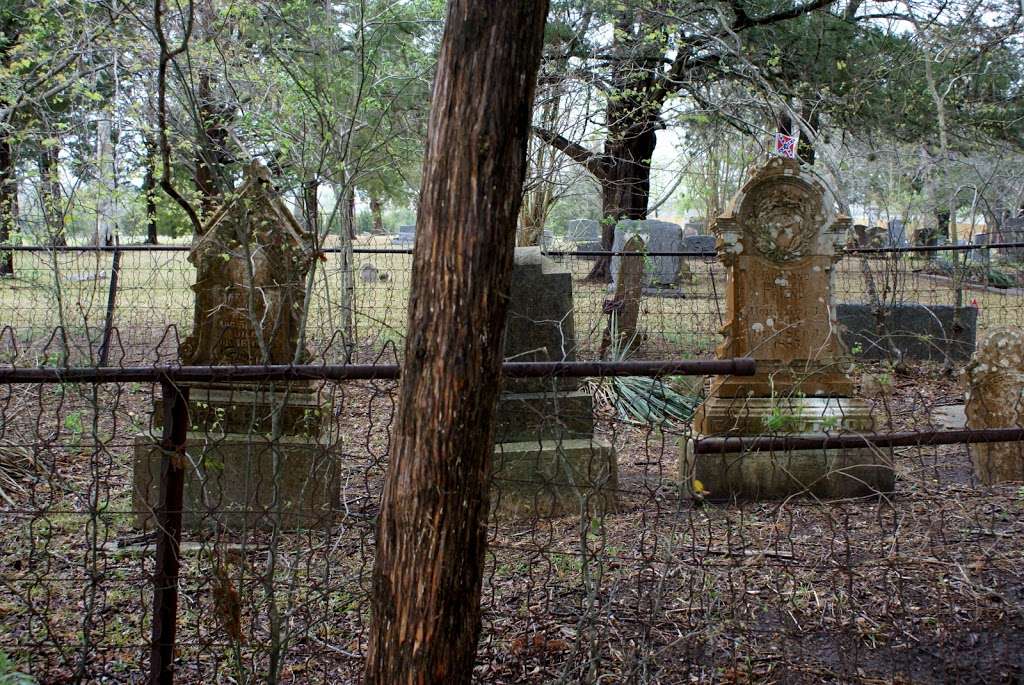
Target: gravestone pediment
[251, 261]
[778, 242]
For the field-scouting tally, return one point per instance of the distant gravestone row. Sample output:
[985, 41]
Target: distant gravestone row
[406, 236]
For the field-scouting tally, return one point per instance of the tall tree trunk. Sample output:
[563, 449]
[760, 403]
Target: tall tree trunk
[633, 117]
[432, 530]
[51, 196]
[149, 191]
[377, 210]
[311, 207]
[106, 207]
[8, 203]
[211, 153]
[350, 213]
[626, 185]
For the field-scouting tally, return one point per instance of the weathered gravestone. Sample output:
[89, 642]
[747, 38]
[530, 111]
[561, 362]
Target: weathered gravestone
[623, 308]
[663, 273]
[897, 235]
[868, 237]
[778, 242]
[406, 235]
[547, 460]
[909, 331]
[982, 255]
[995, 399]
[1011, 231]
[586, 234]
[255, 454]
[704, 244]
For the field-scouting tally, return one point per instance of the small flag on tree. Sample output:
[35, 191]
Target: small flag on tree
[785, 146]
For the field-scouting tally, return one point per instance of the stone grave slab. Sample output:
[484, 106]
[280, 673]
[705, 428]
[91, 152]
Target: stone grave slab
[663, 274]
[919, 332]
[406, 236]
[547, 459]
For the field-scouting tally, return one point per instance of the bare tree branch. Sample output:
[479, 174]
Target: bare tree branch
[594, 163]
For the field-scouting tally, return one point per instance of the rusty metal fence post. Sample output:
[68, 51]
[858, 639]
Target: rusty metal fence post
[168, 541]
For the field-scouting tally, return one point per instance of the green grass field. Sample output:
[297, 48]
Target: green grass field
[58, 298]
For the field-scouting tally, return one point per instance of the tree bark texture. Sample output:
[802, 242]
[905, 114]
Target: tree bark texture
[432, 528]
[8, 203]
[149, 191]
[311, 207]
[626, 184]
[377, 211]
[212, 158]
[51, 196]
[106, 206]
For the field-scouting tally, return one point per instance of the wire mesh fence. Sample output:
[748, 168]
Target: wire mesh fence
[920, 585]
[593, 574]
[59, 303]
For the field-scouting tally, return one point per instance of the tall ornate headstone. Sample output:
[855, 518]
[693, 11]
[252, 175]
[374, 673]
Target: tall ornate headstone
[547, 460]
[995, 399]
[255, 449]
[778, 243]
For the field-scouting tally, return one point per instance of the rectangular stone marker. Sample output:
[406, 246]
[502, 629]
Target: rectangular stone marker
[239, 474]
[897, 234]
[917, 331]
[981, 256]
[547, 460]
[704, 244]
[663, 274]
[406, 235]
[1011, 231]
[778, 242]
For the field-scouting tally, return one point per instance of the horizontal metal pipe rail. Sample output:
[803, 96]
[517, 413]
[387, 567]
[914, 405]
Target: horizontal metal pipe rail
[552, 253]
[731, 444]
[741, 366]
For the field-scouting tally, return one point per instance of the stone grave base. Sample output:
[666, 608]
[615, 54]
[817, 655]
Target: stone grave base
[777, 474]
[239, 482]
[759, 415]
[554, 477]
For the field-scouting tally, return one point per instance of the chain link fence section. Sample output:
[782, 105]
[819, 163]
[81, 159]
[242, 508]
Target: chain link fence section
[923, 585]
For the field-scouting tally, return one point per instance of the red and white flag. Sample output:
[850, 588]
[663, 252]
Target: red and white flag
[785, 146]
